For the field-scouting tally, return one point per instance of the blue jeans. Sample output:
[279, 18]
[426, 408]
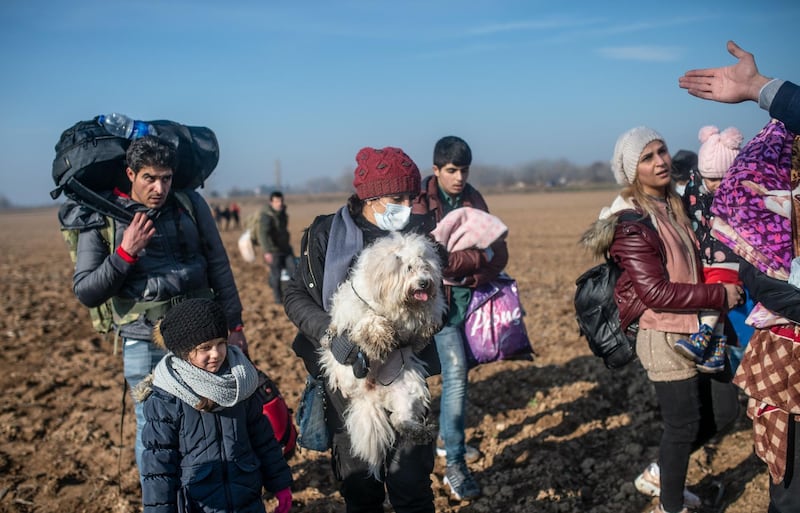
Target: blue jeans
[139, 358]
[453, 404]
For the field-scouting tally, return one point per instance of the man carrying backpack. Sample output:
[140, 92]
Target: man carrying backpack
[273, 237]
[170, 251]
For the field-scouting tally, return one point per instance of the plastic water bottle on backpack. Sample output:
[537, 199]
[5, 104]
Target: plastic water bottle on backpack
[123, 126]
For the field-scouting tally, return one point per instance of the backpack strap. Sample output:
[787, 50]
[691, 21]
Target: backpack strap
[632, 216]
[85, 196]
[186, 202]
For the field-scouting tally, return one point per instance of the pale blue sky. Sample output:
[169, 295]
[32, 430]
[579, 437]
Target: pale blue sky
[309, 83]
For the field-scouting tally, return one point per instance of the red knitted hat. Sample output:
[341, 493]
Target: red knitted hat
[385, 172]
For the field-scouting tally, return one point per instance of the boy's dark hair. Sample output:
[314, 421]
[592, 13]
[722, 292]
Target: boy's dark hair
[683, 163]
[275, 194]
[150, 151]
[451, 150]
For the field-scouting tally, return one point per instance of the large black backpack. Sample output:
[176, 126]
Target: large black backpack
[598, 316]
[89, 160]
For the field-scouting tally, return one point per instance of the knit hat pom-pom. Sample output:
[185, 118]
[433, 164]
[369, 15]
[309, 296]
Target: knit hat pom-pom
[732, 138]
[706, 132]
[718, 151]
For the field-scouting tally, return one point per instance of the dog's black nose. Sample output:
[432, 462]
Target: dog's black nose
[423, 284]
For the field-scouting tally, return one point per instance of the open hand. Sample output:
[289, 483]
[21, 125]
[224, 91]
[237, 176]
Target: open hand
[727, 84]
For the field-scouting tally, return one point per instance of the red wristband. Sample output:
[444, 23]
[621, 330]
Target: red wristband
[126, 256]
[238, 327]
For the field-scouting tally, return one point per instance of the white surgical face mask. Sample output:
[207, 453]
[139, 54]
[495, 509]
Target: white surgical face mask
[394, 218]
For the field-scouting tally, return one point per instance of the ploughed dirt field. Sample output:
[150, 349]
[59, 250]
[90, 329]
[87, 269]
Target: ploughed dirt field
[559, 434]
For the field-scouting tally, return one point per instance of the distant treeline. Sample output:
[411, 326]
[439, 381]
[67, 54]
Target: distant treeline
[538, 174]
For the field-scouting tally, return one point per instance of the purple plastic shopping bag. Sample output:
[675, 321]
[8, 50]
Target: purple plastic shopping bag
[494, 326]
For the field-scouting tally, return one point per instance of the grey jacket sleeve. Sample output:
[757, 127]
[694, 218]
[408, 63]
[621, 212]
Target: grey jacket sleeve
[98, 275]
[777, 295]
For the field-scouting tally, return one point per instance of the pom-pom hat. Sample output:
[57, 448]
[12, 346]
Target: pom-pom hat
[627, 151]
[718, 150]
[189, 324]
[385, 172]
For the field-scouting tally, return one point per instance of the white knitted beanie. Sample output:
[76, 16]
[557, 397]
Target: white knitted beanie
[718, 150]
[627, 151]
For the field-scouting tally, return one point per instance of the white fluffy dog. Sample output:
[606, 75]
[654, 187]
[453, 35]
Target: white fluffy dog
[390, 306]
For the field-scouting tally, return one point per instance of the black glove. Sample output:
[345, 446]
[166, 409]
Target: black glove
[347, 353]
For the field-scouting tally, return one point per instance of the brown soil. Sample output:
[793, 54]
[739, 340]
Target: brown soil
[559, 434]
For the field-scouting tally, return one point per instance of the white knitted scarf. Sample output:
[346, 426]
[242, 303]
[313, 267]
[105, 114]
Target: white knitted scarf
[190, 384]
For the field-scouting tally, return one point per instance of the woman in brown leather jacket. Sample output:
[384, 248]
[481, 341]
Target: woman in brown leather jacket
[661, 285]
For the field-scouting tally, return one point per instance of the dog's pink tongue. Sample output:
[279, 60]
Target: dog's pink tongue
[420, 295]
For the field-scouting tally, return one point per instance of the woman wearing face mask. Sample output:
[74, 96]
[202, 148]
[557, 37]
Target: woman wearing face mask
[386, 180]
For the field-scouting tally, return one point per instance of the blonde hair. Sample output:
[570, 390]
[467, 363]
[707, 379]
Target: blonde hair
[636, 195]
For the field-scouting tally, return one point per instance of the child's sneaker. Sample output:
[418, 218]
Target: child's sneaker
[715, 362]
[695, 347]
[462, 485]
[649, 483]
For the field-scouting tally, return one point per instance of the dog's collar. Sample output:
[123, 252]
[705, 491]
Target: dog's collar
[361, 298]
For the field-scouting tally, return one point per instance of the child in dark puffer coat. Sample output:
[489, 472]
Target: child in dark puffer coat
[208, 446]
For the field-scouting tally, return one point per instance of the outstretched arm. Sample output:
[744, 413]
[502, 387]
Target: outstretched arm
[777, 295]
[727, 84]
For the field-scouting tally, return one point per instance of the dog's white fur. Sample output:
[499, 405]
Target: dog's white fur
[390, 306]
